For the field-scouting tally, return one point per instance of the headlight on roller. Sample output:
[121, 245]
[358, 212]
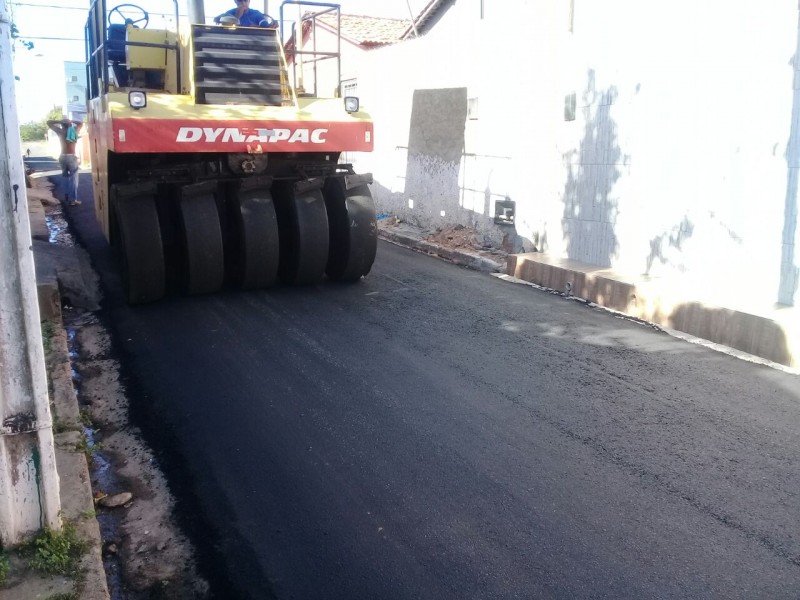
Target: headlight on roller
[351, 104]
[137, 100]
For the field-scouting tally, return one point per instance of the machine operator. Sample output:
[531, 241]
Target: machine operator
[248, 17]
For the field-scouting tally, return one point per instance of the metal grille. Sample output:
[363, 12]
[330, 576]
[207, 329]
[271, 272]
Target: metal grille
[237, 65]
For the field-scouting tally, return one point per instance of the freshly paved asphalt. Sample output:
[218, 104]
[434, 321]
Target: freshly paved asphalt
[433, 432]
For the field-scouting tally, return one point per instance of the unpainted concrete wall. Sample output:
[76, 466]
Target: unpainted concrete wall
[501, 151]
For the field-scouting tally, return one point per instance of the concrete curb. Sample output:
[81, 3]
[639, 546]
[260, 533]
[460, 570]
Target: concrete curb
[77, 502]
[772, 335]
[773, 338]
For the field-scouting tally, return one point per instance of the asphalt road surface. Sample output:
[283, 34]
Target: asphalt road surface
[433, 432]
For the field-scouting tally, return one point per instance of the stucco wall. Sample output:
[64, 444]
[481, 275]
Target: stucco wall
[681, 161]
[677, 161]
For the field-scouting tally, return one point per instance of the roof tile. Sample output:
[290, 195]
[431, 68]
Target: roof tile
[368, 31]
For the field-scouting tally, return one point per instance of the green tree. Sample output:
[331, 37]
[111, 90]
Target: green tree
[37, 130]
[32, 131]
[16, 38]
[55, 114]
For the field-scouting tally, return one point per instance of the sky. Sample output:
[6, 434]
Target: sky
[41, 70]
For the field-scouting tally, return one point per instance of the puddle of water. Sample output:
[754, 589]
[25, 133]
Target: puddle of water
[57, 226]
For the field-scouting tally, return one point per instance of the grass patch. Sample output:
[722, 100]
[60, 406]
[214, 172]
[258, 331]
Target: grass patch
[58, 425]
[5, 568]
[64, 596]
[55, 552]
[89, 449]
[86, 417]
[48, 331]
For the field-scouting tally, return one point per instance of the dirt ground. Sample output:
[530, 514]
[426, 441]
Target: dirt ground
[462, 237]
[456, 236]
[144, 552]
[143, 539]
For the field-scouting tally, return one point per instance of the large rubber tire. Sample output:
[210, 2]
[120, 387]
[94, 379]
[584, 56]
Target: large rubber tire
[258, 242]
[202, 235]
[303, 223]
[353, 230]
[139, 248]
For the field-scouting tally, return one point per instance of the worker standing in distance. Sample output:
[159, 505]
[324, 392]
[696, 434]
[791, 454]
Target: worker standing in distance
[248, 17]
[67, 132]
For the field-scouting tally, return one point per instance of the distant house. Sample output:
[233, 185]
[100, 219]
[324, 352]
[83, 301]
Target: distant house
[359, 34]
[74, 107]
[75, 89]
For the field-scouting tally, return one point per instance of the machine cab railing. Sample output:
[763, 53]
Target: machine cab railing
[108, 49]
[226, 65]
[296, 51]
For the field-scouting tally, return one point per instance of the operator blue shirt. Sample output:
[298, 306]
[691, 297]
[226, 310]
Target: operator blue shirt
[252, 18]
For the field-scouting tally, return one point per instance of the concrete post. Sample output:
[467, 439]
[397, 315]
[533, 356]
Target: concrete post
[29, 487]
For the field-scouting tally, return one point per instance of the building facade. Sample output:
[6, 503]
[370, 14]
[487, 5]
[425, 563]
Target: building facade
[654, 144]
[75, 90]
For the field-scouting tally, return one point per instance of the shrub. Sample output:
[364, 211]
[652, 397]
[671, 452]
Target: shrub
[55, 552]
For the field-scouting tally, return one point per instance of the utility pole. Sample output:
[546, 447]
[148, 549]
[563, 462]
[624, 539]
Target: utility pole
[29, 487]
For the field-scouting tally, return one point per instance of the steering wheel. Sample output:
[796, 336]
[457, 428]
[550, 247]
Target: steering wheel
[130, 11]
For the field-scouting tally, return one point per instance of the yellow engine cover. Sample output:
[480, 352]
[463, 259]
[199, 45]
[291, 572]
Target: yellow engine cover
[139, 57]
